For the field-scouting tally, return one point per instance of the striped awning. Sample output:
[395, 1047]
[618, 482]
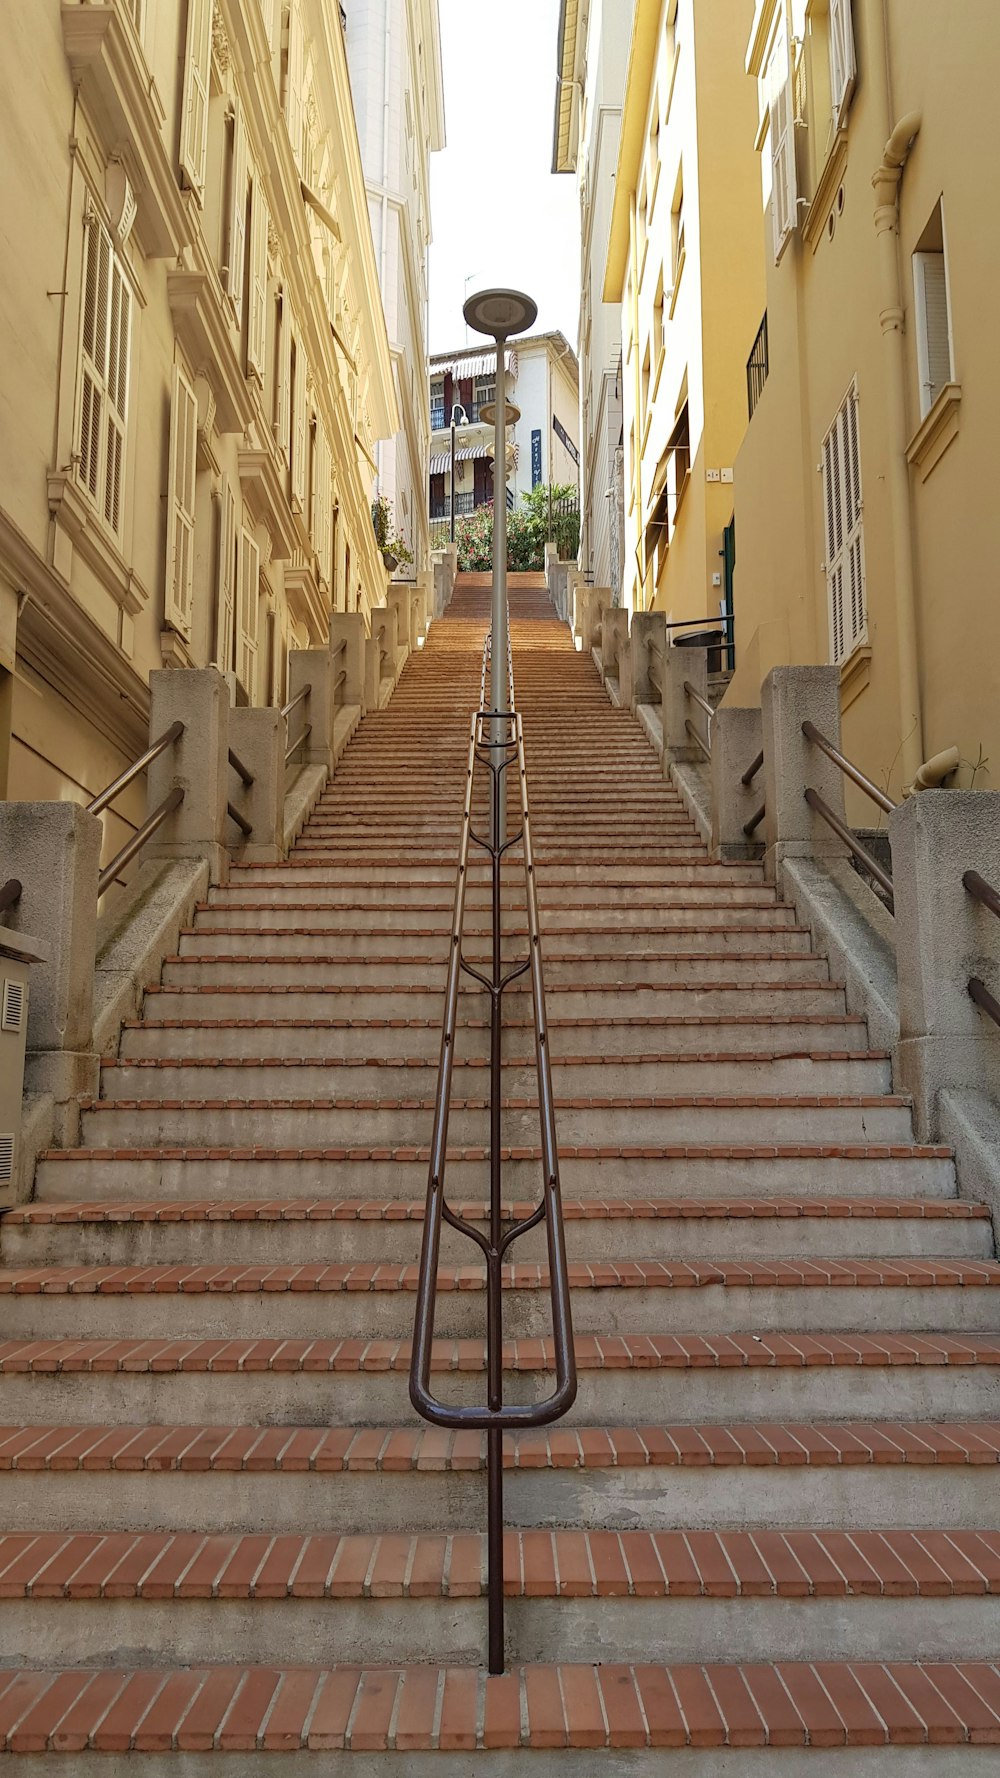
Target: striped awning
[441, 463]
[482, 364]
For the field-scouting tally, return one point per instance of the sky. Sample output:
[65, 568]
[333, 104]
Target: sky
[499, 92]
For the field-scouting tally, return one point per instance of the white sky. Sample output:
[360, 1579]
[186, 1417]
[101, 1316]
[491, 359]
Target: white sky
[499, 92]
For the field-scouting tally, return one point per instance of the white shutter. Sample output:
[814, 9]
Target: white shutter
[843, 60]
[119, 340]
[248, 587]
[135, 10]
[257, 321]
[322, 501]
[285, 380]
[194, 115]
[294, 80]
[301, 429]
[933, 326]
[784, 184]
[845, 560]
[237, 248]
[105, 347]
[225, 618]
[269, 13]
[180, 504]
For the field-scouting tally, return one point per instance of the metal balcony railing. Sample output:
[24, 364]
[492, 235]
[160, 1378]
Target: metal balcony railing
[757, 367]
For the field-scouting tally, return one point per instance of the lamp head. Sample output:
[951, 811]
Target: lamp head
[501, 313]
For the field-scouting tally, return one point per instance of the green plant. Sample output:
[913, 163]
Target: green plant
[389, 540]
[527, 533]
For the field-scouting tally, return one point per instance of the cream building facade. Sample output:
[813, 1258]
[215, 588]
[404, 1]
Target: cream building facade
[394, 52]
[868, 535]
[197, 370]
[683, 263]
[592, 57]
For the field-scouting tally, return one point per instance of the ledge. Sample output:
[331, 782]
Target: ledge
[936, 431]
[203, 330]
[265, 494]
[855, 674]
[827, 187]
[305, 601]
[80, 521]
[106, 61]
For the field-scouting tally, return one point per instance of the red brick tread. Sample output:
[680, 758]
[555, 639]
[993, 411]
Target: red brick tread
[404, 1449]
[624, 1102]
[759, 985]
[409, 932]
[665, 1059]
[325, 1277]
[312, 1209]
[537, 1564]
[687, 1151]
[809, 1021]
[594, 1352]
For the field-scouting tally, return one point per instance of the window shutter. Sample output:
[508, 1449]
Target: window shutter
[248, 581]
[194, 118]
[322, 501]
[285, 380]
[225, 619]
[843, 60]
[135, 10]
[237, 249]
[933, 327]
[845, 566]
[180, 504]
[94, 354]
[257, 321]
[119, 339]
[294, 80]
[784, 184]
[269, 10]
[301, 429]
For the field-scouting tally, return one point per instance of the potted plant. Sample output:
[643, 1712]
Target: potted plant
[383, 527]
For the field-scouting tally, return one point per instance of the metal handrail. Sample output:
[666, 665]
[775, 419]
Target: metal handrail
[240, 769]
[982, 891]
[171, 801]
[851, 771]
[497, 755]
[293, 703]
[340, 680]
[339, 648]
[853, 844]
[980, 993]
[10, 894]
[697, 738]
[702, 703]
[295, 745]
[752, 769]
[245, 826]
[167, 739]
[750, 827]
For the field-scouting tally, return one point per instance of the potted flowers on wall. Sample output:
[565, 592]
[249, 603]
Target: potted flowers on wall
[392, 545]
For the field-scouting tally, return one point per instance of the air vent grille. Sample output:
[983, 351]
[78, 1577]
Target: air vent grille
[13, 1006]
[6, 1158]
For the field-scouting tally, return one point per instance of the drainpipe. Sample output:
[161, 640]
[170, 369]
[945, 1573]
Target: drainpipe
[886, 182]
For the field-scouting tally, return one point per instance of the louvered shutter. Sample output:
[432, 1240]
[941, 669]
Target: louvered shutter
[180, 504]
[933, 327]
[135, 10]
[784, 184]
[257, 320]
[194, 117]
[300, 419]
[248, 587]
[322, 501]
[845, 563]
[237, 249]
[843, 60]
[269, 13]
[119, 341]
[98, 260]
[285, 380]
[295, 79]
[225, 619]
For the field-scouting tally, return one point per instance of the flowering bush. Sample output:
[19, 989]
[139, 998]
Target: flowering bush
[527, 531]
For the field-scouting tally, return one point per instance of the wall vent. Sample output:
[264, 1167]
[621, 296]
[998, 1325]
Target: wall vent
[6, 1157]
[12, 1006]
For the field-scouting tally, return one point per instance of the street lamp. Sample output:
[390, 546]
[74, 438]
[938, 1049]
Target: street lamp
[501, 313]
[456, 409]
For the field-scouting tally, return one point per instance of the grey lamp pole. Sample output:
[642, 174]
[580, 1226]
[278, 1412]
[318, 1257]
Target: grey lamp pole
[456, 408]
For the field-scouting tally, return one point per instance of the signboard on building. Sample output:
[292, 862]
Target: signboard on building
[564, 439]
[536, 456]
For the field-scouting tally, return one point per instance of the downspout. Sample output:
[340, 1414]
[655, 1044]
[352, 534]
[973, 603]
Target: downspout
[384, 257]
[886, 182]
[641, 604]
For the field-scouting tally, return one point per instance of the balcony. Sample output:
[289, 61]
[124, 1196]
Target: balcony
[757, 367]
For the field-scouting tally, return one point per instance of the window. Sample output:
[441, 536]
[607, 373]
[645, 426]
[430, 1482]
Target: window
[778, 86]
[225, 589]
[236, 245]
[135, 9]
[845, 558]
[677, 232]
[935, 361]
[295, 73]
[644, 407]
[843, 60]
[658, 334]
[248, 588]
[437, 403]
[283, 389]
[484, 391]
[257, 317]
[673, 30]
[179, 592]
[194, 114]
[300, 427]
[105, 351]
[321, 501]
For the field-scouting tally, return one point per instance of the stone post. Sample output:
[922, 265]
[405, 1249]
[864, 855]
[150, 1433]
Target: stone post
[384, 635]
[735, 746]
[680, 665]
[648, 627]
[348, 627]
[791, 829]
[258, 738]
[399, 605]
[312, 667]
[614, 641]
[198, 763]
[372, 674]
[944, 936]
[54, 851]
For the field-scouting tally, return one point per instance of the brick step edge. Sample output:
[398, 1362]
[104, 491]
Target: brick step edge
[424, 1709]
[684, 1151]
[388, 1450]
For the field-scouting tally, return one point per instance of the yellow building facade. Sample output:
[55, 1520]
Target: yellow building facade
[867, 534]
[684, 264]
[196, 367]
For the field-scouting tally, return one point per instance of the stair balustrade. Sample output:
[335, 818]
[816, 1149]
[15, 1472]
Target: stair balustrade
[154, 820]
[840, 828]
[987, 897]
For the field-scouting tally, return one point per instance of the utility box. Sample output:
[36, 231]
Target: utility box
[17, 953]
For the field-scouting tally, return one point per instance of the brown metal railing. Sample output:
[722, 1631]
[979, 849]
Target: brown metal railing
[849, 769]
[840, 828]
[153, 821]
[988, 897]
[10, 894]
[746, 778]
[655, 674]
[286, 711]
[124, 779]
[497, 755]
[753, 768]
[702, 742]
[245, 775]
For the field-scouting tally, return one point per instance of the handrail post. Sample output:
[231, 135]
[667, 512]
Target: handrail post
[735, 744]
[398, 600]
[311, 667]
[792, 765]
[347, 653]
[614, 642]
[384, 634]
[680, 664]
[648, 633]
[944, 936]
[258, 736]
[197, 763]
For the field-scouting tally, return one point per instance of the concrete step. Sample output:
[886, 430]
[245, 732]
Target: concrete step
[716, 1379]
[669, 1119]
[300, 1231]
[686, 1170]
[939, 1718]
[370, 1076]
[568, 924]
[276, 1480]
[590, 900]
[781, 1594]
[328, 1038]
[411, 945]
[254, 882]
[610, 1297]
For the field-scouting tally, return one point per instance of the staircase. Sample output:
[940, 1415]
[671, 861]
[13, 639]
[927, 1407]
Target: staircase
[770, 1520]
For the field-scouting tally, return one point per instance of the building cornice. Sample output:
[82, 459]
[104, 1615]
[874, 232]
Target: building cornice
[638, 85]
[563, 152]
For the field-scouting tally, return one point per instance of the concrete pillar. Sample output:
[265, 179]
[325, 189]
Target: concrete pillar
[384, 635]
[791, 829]
[614, 645]
[348, 627]
[680, 665]
[944, 936]
[54, 850]
[648, 627]
[312, 667]
[372, 674]
[258, 738]
[425, 598]
[399, 604]
[735, 746]
[198, 762]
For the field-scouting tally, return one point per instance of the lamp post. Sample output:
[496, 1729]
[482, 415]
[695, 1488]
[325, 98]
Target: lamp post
[456, 408]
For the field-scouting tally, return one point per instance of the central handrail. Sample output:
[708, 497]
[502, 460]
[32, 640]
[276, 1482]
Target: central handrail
[848, 768]
[496, 741]
[99, 803]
